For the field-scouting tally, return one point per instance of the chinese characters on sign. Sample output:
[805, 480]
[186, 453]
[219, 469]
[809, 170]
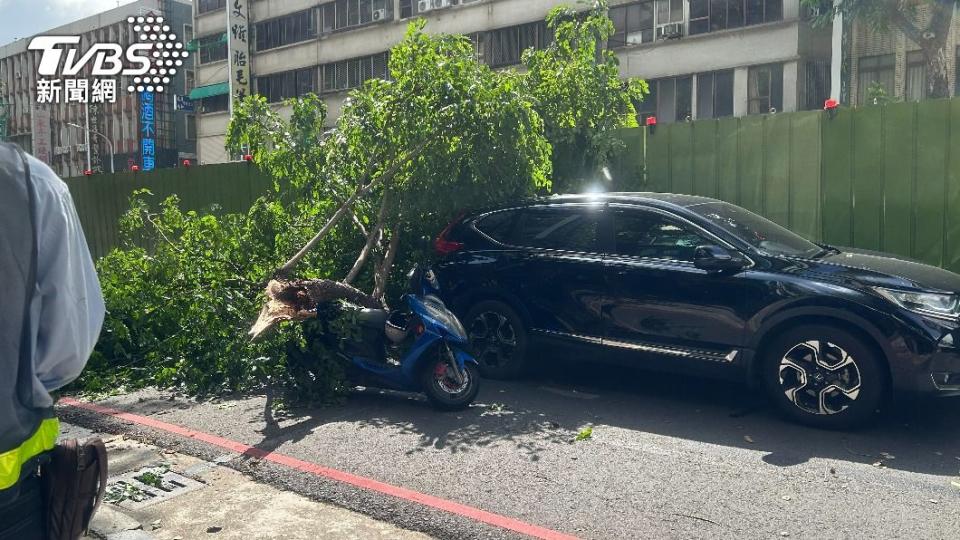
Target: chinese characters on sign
[148, 131]
[76, 91]
[40, 118]
[238, 50]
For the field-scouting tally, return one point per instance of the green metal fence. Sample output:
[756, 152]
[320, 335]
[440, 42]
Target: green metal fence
[101, 199]
[882, 178]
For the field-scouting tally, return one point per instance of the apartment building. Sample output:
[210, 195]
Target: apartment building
[893, 64]
[703, 58]
[55, 130]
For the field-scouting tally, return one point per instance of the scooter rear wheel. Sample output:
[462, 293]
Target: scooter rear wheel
[444, 392]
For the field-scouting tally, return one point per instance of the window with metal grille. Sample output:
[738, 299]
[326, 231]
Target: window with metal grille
[816, 84]
[354, 72]
[765, 89]
[285, 30]
[349, 13]
[289, 84]
[504, 47]
[714, 15]
[212, 48]
[916, 83]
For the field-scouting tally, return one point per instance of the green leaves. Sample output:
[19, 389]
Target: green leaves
[576, 88]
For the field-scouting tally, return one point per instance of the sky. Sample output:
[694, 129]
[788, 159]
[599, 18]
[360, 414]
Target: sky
[23, 18]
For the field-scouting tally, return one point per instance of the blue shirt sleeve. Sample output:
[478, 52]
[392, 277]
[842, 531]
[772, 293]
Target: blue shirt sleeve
[67, 307]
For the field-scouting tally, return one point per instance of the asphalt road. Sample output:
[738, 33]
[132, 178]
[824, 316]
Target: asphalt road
[669, 457]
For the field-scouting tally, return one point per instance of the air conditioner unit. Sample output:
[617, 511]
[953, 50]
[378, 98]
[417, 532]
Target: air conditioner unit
[669, 31]
[635, 38]
[439, 4]
[379, 15]
[423, 5]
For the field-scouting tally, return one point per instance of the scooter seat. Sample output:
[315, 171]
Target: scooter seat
[373, 318]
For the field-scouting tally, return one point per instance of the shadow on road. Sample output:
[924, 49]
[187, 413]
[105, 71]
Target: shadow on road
[550, 407]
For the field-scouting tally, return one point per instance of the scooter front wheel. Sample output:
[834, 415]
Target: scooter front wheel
[444, 389]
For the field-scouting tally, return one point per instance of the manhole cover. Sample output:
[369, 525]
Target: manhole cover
[147, 486]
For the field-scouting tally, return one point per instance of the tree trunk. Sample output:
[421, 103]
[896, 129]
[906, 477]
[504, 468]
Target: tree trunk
[383, 273]
[372, 239]
[297, 300]
[938, 74]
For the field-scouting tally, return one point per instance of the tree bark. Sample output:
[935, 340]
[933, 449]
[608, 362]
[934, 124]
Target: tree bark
[383, 272]
[373, 239]
[932, 41]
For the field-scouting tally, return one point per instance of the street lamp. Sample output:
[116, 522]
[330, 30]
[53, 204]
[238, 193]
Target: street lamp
[97, 133]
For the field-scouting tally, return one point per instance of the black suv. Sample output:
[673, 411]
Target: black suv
[696, 285]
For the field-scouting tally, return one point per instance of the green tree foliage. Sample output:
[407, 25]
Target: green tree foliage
[927, 23]
[445, 133]
[180, 292]
[576, 87]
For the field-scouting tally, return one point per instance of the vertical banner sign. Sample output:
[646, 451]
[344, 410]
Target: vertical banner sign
[148, 131]
[41, 133]
[238, 50]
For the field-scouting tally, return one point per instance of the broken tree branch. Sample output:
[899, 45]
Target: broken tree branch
[297, 300]
[388, 175]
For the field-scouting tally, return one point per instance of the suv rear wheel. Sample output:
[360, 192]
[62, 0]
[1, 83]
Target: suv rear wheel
[498, 339]
[824, 377]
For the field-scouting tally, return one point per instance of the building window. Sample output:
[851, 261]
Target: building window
[190, 127]
[354, 72]
[189, 81]
[634, 24]
[916, 87]
[504, 47]
[289, 84]
[281, 31]
[816, 84]
[877, 72]
[409, 8]
[765, 89]
[349, 13]
[215, 103]
[212, 48]
[715, 94]
[204, 6]
[187, 33]
[670, 100]
[714, 15]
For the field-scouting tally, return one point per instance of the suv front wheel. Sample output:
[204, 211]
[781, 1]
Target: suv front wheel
[824, 377]
[498, 339]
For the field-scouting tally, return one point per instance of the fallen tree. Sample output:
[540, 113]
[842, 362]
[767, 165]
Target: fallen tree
[444, 133]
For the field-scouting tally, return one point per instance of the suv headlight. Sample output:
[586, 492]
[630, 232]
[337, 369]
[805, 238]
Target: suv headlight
[944, 306]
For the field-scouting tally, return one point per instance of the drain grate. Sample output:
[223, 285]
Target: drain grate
[148, 486]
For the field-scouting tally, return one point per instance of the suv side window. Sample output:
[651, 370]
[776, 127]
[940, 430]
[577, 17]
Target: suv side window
[642, 233]
[571, 228]
[498, 224]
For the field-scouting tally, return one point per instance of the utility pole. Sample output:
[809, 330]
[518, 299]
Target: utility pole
[836, 58]
[86, 131]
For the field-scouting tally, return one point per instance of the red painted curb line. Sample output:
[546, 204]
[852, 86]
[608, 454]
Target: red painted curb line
[475, 514]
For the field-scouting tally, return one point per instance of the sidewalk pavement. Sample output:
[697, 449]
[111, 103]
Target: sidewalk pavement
[157, 494]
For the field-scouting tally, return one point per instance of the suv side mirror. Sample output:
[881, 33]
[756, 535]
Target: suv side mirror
[718, 259]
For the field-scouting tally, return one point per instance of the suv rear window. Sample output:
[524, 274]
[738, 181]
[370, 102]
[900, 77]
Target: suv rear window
[497, 225]
[565, 228]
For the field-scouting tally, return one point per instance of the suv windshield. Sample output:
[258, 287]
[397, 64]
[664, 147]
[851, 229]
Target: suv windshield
[757, 231]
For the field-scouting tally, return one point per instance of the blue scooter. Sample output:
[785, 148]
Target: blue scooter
[421, 349]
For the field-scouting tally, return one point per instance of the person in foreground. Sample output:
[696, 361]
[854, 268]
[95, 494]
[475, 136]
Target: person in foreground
[50, 317]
